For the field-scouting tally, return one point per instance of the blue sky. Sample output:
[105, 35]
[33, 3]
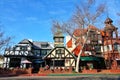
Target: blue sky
[32, 19]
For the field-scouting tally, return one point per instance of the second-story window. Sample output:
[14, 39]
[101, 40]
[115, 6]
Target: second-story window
[115, 46]
[43, 52]
[60, 51]
[98, 48]
[37, 52]
[23, 48]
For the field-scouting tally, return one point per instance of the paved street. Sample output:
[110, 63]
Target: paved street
[81, 77]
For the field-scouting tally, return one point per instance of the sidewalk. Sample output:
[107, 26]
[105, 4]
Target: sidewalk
[72, 74]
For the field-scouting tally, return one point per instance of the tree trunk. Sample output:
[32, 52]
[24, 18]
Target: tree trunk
[79, 55]
[78, 60]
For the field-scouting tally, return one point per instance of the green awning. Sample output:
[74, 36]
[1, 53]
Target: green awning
[89, 58]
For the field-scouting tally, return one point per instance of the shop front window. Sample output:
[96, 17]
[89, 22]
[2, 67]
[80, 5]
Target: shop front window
[60, 63]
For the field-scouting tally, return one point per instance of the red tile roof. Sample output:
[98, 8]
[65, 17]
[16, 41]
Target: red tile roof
[93, 27]
[78, 32]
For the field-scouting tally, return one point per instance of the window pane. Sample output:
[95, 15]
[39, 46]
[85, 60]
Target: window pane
[59, 63]
[115, 47]
[43, 52]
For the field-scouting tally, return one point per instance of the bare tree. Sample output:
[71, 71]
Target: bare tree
[4, 41]
[86, 14]
[118, 14]
[84, 18]
[55, 26]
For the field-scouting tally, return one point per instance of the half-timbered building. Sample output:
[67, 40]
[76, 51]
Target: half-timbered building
[26, 54]
[60, 56]
[101, 49]
[91, 56]
[111, 45]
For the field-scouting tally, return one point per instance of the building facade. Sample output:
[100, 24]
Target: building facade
[26, 54]
[60, 57]
[101, 48]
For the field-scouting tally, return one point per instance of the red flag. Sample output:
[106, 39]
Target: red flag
[77, 50]
[69, 43]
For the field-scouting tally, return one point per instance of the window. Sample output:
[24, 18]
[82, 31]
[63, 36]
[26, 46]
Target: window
[119, 49]
[37, 52]
[44, 45]
[118, 62]
[23, 48]
[115, 46]
[59, 40]
[43, 52]
[99, 37]
[98, 48]
[60, 63]
[56, 39]
[60, 51]
[88, 47]
[17, 48]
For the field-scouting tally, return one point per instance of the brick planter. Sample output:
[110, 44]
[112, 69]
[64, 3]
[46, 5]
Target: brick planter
[105, 71]
[89, 71]
[29, 70]
[42, 71]
[115, 70]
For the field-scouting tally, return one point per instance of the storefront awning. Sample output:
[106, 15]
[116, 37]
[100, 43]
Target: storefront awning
[25, 61]
[89, 58]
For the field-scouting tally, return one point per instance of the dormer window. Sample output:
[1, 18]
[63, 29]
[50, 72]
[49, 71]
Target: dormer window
[44, 45]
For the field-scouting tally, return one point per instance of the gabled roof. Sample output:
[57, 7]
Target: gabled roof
[34, 44]
[78, 32]
[108, 20]
[60, 47]
[25, 41]
[37, 44]
[42, 45]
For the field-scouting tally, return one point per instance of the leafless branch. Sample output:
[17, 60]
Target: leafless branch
[4, 41]
[82, 17]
